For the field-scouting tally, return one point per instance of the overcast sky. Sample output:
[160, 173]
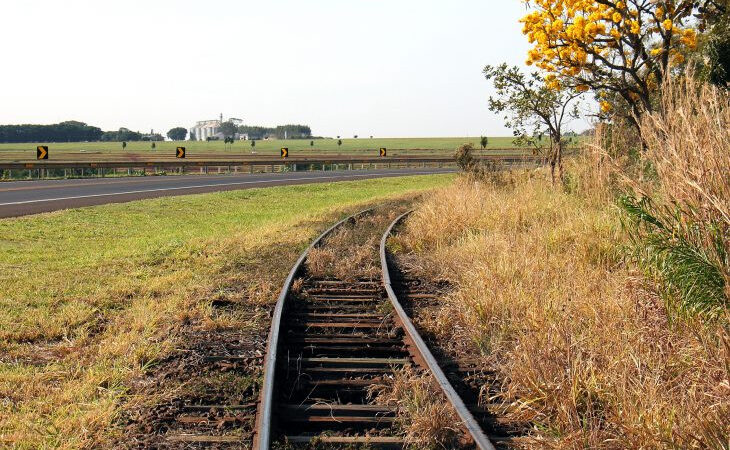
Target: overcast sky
[367, 67]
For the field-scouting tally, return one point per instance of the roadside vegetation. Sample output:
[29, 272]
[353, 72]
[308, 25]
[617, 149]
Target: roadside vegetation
[600, 299]
[93, 300]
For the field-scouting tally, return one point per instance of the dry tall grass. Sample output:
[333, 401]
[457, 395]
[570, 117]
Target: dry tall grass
[584, 351]
[428, 419]
[688, 144]
[351, 252]
[688, 141]
[675, 193]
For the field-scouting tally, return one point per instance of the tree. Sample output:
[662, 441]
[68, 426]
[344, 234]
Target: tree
[228, 129]
[714, 59]
[192, 135]
[532, 107]
[124, 134]
[484, 141]
[621, 49]
[177, 134]
[292, 131]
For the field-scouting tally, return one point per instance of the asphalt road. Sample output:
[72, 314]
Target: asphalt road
[19, 198]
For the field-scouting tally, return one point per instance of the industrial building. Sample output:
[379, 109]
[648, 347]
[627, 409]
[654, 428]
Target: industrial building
[210, 129]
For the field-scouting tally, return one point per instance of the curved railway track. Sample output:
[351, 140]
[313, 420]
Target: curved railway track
[332, 339]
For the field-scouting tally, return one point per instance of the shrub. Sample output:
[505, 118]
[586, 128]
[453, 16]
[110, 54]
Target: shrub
[477, 170]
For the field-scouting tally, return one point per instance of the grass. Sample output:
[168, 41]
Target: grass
[107, 150]
[681, 226]
[581, 342]
[93, 298]
[351, 252]
[423, 412]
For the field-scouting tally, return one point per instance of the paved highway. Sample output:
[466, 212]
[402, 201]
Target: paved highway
[19, 198]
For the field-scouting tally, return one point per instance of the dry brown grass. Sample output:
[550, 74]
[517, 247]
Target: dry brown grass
[689, 145]
[426, 416]
[675, 193]
[352, 251]
[341, 258]
[584, 350]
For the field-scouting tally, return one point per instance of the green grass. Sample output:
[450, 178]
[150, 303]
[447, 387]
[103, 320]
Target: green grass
[105, 150]
[92, 298]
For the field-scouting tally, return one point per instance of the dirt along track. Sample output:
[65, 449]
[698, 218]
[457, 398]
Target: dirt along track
[19, 198]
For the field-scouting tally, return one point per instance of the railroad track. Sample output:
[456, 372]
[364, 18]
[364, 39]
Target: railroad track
[331, 340]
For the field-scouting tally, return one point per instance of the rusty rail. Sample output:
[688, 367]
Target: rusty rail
[424, 355]
[264, 416]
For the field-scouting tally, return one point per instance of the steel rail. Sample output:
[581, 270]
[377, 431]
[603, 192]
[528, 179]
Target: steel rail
[264, 416]
[425, 355]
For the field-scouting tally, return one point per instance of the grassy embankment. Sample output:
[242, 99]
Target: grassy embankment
[602, 335]
[91, 299]
[163, 150]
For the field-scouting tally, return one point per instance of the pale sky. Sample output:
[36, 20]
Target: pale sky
[367, 67]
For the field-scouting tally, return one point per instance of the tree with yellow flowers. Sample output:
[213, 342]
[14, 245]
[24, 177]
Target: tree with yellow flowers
[620, 49]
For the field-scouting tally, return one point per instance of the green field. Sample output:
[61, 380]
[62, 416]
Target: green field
[82, 151]
[91, 299]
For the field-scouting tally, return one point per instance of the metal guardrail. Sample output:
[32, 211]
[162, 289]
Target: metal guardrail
[263, 161]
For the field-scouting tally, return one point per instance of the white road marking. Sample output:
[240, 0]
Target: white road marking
[143, 191]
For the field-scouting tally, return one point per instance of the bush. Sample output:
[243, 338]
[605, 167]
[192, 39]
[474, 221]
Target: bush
[672, 250]
[477, 170]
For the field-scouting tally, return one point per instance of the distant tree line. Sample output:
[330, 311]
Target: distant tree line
[125, 134]
[73, 131]
[279, 132]
[69, 131]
